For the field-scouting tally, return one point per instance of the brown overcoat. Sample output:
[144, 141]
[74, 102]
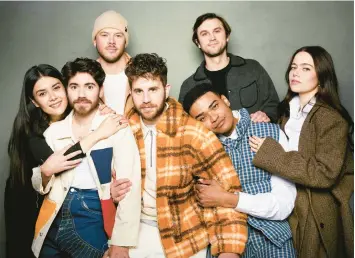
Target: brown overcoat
[323, 170]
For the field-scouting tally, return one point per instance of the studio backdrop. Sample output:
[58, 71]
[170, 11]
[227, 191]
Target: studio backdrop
[56, 32]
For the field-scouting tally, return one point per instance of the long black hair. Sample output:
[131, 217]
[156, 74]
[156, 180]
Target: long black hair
[29, 121]
[327, 94]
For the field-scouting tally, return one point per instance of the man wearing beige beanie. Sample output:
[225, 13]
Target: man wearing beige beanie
[110, 37]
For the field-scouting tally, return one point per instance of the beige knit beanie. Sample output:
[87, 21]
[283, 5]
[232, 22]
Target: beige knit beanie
[111, 19]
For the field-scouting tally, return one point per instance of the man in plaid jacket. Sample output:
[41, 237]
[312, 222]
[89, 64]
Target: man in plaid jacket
[267, 199]
[176, 151]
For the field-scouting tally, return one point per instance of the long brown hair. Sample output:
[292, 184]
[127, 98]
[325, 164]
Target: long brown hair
[29, 121]
[327, 94]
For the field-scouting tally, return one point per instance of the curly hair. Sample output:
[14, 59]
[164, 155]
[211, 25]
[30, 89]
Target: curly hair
[83, 65]
[148, 66]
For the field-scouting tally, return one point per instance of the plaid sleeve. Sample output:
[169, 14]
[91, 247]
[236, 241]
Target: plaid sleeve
[227, 228]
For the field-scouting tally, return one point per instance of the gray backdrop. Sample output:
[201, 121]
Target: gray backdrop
[55, 32]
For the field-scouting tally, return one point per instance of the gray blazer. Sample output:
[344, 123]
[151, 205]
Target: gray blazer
[249, 86]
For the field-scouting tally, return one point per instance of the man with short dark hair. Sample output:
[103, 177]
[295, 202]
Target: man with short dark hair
[266, 198]
[176, 151]
[78, 217]
[244, 82]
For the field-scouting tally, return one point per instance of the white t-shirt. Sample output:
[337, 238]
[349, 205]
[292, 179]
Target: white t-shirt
[294, 125]
[83, 178]
[115, 86]
[149, 207]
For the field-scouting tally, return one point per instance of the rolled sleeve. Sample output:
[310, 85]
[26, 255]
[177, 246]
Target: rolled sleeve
[275, 205]
[37, 181]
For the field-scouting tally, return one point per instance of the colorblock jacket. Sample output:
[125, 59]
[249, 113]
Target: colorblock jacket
[118, 151]
[186, 150]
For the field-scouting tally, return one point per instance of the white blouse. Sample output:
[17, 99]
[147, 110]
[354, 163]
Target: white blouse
[294, 125]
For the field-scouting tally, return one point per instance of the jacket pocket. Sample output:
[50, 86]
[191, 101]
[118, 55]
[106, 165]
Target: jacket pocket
[249, 95]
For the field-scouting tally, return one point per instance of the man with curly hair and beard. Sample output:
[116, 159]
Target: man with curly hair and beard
[177, 151]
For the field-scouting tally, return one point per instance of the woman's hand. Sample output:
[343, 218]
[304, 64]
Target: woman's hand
[57, 162]
[255, 143]
[111, 125]
[104, 110]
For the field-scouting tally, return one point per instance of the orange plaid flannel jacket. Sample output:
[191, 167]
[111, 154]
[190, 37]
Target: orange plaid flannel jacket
[185, 148]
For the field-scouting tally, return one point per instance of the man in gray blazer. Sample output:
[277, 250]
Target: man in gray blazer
[243, 81]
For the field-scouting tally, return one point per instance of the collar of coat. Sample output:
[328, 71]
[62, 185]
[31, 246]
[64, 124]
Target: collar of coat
[317, 105]
[169, 122]
[235, 61]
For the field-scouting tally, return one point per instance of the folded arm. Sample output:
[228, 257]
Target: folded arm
[226, 226]
[320, 170]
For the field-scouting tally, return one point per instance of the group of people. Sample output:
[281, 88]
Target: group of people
[104, 163]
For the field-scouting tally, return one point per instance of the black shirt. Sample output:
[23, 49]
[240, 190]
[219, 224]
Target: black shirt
[218, 79]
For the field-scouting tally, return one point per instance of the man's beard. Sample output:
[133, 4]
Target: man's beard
[218, 53]
[82, 110]
[155, 115]
[111, 59]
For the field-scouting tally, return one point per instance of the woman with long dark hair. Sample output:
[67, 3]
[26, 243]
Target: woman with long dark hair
[320, 156]
[43, 101]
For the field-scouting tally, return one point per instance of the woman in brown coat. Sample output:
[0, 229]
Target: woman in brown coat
[320, 156]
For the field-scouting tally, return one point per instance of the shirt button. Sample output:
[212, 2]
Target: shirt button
[322, 225]
[229, 91]
[65, 189]
[41, 234]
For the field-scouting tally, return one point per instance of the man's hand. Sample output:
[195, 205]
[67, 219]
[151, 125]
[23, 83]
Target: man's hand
[118, 252]
[228, 255]
[119, 188]
[211, 194]
[259, 117]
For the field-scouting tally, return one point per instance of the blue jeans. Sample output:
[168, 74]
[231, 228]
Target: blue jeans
[78, 229]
